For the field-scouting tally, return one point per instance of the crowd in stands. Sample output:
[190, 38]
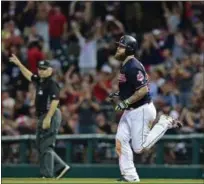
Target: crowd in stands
[78, 38]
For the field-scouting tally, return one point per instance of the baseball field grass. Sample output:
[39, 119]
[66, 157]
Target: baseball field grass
[96, 181]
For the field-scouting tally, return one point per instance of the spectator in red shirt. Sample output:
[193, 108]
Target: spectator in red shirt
[34, 56]
[188, 10]
[57, 27]
[103, 87]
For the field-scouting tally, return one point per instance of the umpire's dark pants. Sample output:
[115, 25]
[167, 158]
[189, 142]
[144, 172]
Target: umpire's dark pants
[50, 162]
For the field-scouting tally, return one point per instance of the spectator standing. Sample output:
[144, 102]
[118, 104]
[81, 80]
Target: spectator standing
[57, 27]
[34, 55]
[88, 49]
[184, 78]
[87, 107]
[173, 17]
[28, 15]
[103, 86]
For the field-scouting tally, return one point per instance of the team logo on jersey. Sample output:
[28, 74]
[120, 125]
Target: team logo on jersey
[140, 76]
[122, 78]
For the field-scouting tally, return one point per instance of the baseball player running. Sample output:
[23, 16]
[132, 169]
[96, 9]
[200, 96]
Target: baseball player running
[134, 129]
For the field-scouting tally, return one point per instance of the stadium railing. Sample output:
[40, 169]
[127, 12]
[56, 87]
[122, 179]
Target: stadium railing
[196, 140]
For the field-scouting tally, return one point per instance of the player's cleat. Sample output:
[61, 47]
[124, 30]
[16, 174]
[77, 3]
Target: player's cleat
[43, 177]
[177, 123]
[122, 179]
[173, 123]
[63, 172]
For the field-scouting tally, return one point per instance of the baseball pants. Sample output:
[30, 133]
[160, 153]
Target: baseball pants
[135, 134]
[50, 162]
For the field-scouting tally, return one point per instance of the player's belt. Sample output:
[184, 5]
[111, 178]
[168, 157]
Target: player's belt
[132, 108]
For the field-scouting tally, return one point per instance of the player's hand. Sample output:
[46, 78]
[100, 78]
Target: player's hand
[14, 60]
[122, 105]
[113, 95]
[46, 123]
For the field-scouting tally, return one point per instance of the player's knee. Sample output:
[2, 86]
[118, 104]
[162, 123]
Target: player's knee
[139, 150]
[146, 146]
[118, 147]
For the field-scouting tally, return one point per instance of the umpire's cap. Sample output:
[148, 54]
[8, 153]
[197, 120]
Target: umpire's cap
[130, 43]
[44, 64]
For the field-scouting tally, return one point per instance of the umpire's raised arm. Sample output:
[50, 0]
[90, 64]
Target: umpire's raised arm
[26, 73]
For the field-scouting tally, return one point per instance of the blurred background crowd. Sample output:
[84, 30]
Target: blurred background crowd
[79, 40]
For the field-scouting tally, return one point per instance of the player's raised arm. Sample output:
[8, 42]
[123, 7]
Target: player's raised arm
[26, 73]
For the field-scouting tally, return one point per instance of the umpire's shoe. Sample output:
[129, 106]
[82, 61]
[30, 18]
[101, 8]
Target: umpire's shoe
[62, 172]
[122, 179]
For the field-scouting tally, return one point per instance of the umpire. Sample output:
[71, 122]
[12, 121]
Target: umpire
[49, 117]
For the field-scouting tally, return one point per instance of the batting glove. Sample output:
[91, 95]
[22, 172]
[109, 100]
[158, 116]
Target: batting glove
[112, 95]
[122, 105]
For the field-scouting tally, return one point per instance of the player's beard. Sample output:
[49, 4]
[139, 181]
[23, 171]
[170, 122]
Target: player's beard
[120, 56]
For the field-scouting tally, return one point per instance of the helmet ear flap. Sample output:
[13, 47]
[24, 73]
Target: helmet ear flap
[129, 50]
